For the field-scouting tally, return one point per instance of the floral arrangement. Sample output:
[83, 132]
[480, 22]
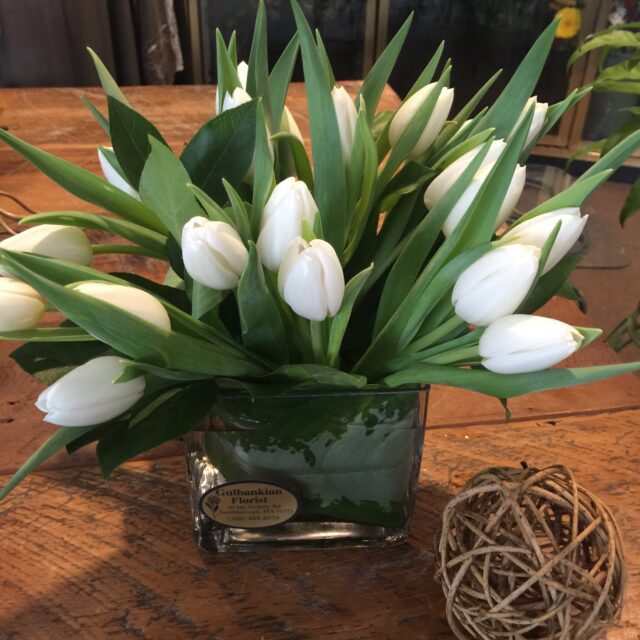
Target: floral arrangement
[384, 262]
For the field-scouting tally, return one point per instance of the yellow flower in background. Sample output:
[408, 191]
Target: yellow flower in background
[570, 22]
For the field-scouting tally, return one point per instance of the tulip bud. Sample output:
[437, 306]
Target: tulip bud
[243, 73]
[238, 97]
[289, 204]
[53, 241]
[496, 284]
[131, 299]
[310, 279]
[21, 306]
[539, 115]
[407, 111]
[113, 177]
[445, 180]
[347, 117]
[521, 344]
[288, 123]
[466, 199]
[213, 253]
[536, 231]
[87, 395]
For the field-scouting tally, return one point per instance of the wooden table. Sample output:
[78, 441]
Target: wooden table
[84, 558]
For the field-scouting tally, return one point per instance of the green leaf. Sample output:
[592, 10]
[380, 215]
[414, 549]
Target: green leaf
[48, 334]
[111, 158]
[280, 78]
[222, 148]
[136, 233]
[503, 385]
[550, 284]
[300, 157]
[125, 332]
[330, 190]
[263, 178]
[262, 327]
[130, 133]
[163, 187]
[258, 76]
[340, 321]
[378, 76]
[212, 210]
[613, 39]
[102, 121]
[427, 73]
[59, 440]
[505, 111]
[409, 263]
[227, 71]
[240, 215]
[204, 299]
[315, 374]
[173, 418]
[84, 184]
[109, 85]
[632, 203]
[324, 58]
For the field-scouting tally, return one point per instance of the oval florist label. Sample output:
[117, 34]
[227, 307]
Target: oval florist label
[249, 505]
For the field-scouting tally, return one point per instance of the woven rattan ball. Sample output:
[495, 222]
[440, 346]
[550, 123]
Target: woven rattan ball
[529, 554]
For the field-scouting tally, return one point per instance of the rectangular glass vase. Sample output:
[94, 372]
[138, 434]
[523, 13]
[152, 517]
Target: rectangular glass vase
[305, 470]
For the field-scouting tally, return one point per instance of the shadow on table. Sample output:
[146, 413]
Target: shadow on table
[120, 562]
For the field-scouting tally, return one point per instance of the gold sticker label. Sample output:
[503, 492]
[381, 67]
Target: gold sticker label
[249, 505]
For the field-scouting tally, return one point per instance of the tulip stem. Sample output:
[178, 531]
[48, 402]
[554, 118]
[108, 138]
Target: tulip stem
[318, 342]
[126, 248]
[462, 354]
[437, 334]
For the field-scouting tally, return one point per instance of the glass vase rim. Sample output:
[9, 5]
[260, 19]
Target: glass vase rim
[316, 392]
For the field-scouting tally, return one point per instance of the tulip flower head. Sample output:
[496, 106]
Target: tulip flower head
[243, 73]
[53, 241]
[465, 201]
[113, 177]
[407, 111]
[289, 204]
[496, 284]
[21, 306]
[522, 344]
[213, 253]
[310, 279]
[536, 231]
[288, 123]
[130, 299]
[537, 123]
[347, 117]
[235, 99]
[88, 395]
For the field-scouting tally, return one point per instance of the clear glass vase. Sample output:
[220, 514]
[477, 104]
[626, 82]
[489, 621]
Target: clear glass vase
[304, 470]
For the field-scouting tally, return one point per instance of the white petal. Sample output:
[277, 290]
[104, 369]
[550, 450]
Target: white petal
[303, 289]
[332, 275]
[295, 248]
[347, 116]
[276, 235]
[113, 177]
[435, 123]
[21, 306]
[243, 73]
[514, 192]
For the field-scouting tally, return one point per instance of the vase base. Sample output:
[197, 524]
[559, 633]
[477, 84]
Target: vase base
[300, 535]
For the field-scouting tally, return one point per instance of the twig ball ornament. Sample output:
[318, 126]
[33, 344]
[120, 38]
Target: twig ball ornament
[529, 554]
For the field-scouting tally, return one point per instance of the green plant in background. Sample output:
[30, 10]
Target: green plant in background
[382, 262]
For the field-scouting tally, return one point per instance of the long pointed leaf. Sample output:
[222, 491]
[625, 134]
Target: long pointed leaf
[109, 85]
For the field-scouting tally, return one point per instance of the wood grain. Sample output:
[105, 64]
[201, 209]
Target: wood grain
[84, 559]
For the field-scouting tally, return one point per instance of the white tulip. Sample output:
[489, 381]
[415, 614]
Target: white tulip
[496, 284]
[537, 123]
[521, 343]
[289, 204]
[87, 395]
[235, 99]
[113, 177]
[310, 279]
[213, 253]
[537, 230]
[466, 199]
[53, 241]
[243, 73]
[445, 180]
[288, 123]
[21, 306]
[407, 111]
[131, 299]
[347, 117]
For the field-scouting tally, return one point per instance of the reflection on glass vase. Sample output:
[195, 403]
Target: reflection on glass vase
[317, 469]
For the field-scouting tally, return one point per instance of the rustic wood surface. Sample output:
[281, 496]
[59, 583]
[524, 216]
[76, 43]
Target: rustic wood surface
[82, 558]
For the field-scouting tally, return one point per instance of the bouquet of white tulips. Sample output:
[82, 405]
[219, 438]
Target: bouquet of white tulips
[382, 260]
